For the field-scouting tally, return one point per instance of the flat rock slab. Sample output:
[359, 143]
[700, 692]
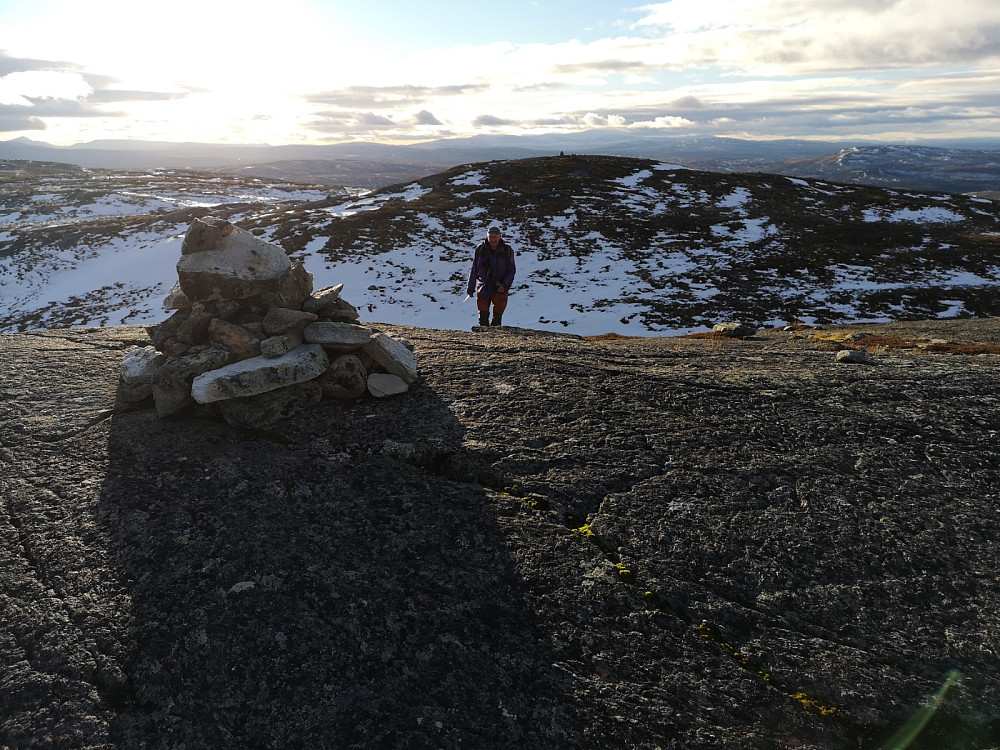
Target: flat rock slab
[673, 542]
[338, 335]
[382, 384]
[393, 355]
[260, 374]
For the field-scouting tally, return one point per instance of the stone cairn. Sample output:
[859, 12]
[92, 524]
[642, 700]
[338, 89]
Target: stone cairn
[249, 340]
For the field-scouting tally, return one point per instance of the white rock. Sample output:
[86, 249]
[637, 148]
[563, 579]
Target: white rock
[382, 384]
[260, 374]
[393, 356]
[139, 365]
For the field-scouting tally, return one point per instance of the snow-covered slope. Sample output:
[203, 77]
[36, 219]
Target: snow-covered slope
[604, 244]
[93, 247]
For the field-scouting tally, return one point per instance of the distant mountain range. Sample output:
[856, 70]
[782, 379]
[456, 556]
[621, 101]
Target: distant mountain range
[957, 166]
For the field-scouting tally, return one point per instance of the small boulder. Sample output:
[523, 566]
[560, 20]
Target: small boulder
[851, 356]
[241, 343]
[734, 330]
[205, 234]
[136, 382]
[293, 289]
[277, 346]
[194, 329]
[176, 299]
[346, 378]
[172, 381]
[160, 333]
[342, 311]
[139, 365]
[283, 319]
[324, 300]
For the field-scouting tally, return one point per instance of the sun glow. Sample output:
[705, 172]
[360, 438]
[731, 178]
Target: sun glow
[320, 70]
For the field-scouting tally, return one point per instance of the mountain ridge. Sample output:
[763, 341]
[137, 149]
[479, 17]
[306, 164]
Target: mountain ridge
[786, 156]
[605, 244]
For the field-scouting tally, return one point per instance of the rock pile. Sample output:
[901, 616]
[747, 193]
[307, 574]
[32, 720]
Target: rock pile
[250, 341]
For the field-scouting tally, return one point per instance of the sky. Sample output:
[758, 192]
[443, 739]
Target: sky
[397, 71]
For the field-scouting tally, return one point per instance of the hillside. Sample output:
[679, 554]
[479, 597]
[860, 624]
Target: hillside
[950, 166]
[605, 244]
[550, 542]
[93, 247]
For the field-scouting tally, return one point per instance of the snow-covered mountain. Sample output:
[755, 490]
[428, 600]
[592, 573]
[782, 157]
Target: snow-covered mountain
[920, 167]
[605, 244]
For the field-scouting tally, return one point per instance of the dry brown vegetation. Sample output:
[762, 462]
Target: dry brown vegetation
[881, 343]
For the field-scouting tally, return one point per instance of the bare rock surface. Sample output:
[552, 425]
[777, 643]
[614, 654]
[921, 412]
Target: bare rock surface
[550, 542]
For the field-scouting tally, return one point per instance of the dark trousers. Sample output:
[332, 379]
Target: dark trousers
[499, 303]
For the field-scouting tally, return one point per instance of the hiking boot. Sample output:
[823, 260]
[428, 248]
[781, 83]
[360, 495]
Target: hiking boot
[484, 318]
[497, 319]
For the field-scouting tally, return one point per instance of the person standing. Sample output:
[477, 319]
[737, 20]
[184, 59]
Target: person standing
[492, 274]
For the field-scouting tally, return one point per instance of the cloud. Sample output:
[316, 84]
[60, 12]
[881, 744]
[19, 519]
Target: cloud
[539, 87]
[10, 64]
[803, 36]
[353, 123]
[13, 121]
[687, 102]
[376, 97]
[489, 121]
[663, 121]
[21, 87]
[546, 122]
[67, 108]
[44, 92]
[423, 117]
[780, 68]
[107, 96]
[602, 67]
[594, 120]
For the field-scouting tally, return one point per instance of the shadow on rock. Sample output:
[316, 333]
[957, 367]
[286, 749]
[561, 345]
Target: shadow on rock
[329, 584]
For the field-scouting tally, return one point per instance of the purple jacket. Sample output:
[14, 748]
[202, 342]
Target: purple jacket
[490, 268]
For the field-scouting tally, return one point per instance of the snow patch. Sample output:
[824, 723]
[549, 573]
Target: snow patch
[470, 178]
[632, 181]
[927, 215]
